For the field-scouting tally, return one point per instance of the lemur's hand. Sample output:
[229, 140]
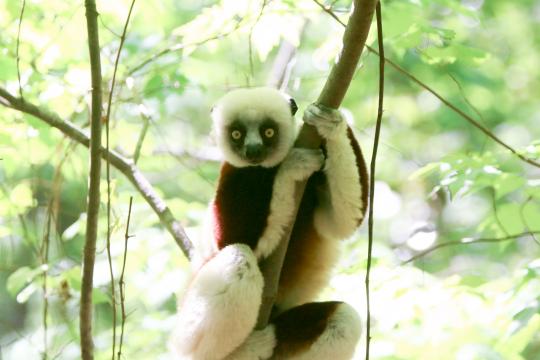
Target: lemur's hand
[328, 122]
[301, 163]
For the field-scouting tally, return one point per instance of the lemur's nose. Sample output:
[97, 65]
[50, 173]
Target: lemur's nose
[254, 151]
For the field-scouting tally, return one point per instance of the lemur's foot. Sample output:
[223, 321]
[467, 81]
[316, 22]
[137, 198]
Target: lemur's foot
[301, 163]
[233, 263]
[328, 122]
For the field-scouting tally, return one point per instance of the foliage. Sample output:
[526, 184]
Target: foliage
[438, 180]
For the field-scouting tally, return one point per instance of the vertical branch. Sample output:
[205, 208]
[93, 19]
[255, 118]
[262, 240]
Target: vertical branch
[354, 39]
[122, 284]
[372, 171]
[52, 208]
[108, 171]
[44, 254]
[86, 310]
[18, 43]
[142, 135]
[332, 95]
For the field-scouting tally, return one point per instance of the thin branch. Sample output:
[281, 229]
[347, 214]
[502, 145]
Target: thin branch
[108, 170]
[331, 96]
[52, 208]
[142, 135]
[89, 257]
[179, 47]
[18, 43]
[464, 97]
[524, 218]
[458, 111]
[44, 252]
[467, 242]
[121, 282]
[283, 63]
[125, 166]
[380, 42]
[448, 104]
[498, 221]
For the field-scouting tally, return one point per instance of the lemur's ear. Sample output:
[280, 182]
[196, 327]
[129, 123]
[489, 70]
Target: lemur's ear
[294, 107]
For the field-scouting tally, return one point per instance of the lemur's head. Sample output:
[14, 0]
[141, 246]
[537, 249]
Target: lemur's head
[255, 127]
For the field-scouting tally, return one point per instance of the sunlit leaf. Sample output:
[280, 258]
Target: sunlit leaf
[22, 277]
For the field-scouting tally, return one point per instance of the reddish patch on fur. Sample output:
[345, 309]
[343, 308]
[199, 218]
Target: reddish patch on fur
[304, 238]
[242, 204]
[298, 328]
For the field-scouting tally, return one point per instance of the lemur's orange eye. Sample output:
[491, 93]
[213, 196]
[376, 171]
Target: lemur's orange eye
[236, 134]
[269, 132]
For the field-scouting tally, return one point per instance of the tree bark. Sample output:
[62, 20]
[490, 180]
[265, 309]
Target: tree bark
[86, 307]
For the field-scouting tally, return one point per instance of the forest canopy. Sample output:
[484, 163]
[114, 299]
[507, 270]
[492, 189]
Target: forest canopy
[456, 251]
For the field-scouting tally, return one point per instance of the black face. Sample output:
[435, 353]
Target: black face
[253, 141]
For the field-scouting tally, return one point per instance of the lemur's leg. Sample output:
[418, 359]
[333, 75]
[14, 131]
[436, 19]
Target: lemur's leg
[220, 307]
[344, 200]
[313, 331]
[299, 165]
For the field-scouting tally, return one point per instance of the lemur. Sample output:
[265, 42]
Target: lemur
[252, 206]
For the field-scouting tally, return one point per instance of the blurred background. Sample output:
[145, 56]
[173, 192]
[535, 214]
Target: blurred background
[440, 182]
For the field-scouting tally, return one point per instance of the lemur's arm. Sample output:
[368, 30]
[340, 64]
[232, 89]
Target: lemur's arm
[298, 165]
[344, 199]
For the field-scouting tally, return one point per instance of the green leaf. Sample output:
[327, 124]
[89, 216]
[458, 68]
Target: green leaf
[22, 277]
[21, 196]
[99, 297]
[8, 68]
[154, 84]
[425, 171]
[507, 183]
[510, 218]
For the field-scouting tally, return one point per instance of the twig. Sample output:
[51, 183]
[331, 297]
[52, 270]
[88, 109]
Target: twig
[108, 170]
[467, 242]
[44, 250]
[331, 96]
[18, 43]
[45, 260]
[142, 135]
[524, 219]
[454, 108]
[448, 104]
[87, 346]
[380, 42]
[179, 47]
[121, 282]
[125, 166]
[493, 193]
[283, 63]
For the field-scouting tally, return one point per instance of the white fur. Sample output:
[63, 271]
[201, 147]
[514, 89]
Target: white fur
[298, 165]
[254, 105]
[220, 308]
[339, 339]
[204, 247]
[341, 210]
[258, 346]
[337, 342]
